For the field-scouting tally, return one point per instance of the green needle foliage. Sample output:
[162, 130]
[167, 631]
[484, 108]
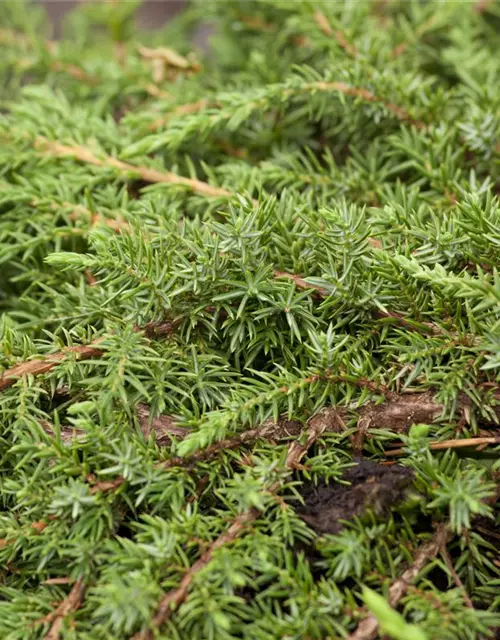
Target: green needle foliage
[250, 322]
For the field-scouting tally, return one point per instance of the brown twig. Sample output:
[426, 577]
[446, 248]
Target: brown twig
[270, 431]
[78, 211]
[488, 532]
[181, 110]
[482, 5]
[104, 485]
[452, 444]
[425, 26]
[311, 87]
[51, 47]
[321, 292]
[301, 283]
[321, 20]
[257, 24]
[83, 154]
[69, 605]
[41, 365]
[324, 25]
[163, 426]
[397, 413]
[38, 366]
[74, 71]
[117, 224]
[456, 578]
[368, 628]
[156, 92]
[67, 434]
[327, 420]
[364, 94]
[176, 597]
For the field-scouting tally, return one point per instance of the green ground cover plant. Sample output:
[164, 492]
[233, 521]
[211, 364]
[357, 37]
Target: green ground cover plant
[250, 322]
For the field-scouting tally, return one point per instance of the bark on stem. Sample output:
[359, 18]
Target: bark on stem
[174, 598]
[82, 154]
[368, 628]
[41, 365]
[69, 605]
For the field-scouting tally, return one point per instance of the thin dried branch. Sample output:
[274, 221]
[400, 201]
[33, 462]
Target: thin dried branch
[163, 426]
[364, 94]
[327, 420]
[322, 22]
[397, 413]
[301, 283]
[324, 25]
[420, 31]
[270, 430]
[41, 365]
[51, 48]
[181, 110]
[456, 578]
[257, 24]
[74, 71]
[118, 224]
[321, 292]
[67, 434]
[481, 6]
[78, 211]
[176, 597]
[105, 485]
[69, 605]
[38, 366]
[83, 154]
[479, 443]
[156, 92]
[368, 628]
[311, 87]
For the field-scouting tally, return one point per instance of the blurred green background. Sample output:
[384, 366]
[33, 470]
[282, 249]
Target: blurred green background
[153, 13]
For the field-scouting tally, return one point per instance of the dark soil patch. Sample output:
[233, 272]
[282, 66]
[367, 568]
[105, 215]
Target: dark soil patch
[371, 486]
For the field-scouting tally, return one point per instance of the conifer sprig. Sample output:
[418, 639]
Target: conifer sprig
[250, 319]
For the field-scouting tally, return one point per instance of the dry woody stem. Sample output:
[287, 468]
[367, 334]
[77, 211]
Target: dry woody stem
[69, 605]
[325, 27]
[38, 366]
[368, 628]
[42, 365]
[456, 578]
[478, 443]
[302, 283]
[82, 154]
[401, 48]
[312, 87]
[174, 598]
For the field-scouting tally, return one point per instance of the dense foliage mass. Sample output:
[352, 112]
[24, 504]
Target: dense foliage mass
[250, 333]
